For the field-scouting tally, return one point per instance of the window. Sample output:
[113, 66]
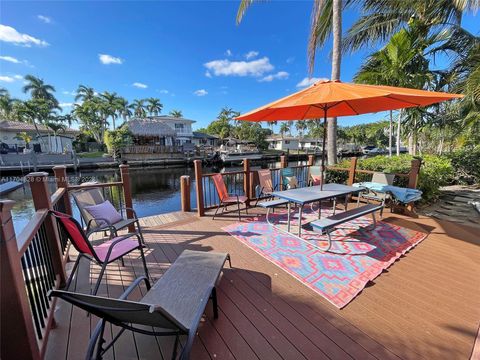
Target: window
[287, 142]
[179, 126]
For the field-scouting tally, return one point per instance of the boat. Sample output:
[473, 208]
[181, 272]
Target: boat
[235, 151]
[9, 186]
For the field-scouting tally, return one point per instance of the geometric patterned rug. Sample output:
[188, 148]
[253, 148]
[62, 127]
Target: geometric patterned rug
[356, 257]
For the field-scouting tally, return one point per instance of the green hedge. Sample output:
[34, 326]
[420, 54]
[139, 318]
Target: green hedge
[436, 171]
[466, 163]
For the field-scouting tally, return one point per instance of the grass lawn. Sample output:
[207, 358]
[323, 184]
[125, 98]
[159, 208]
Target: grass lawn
[91, 154]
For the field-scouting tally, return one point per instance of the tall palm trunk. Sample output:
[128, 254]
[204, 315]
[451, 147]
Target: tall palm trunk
[390, 133]
[336, 63]
[399, 126]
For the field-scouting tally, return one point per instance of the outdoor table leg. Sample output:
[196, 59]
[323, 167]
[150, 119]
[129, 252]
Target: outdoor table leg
[300, 221]
[288, 216]
[320, 209]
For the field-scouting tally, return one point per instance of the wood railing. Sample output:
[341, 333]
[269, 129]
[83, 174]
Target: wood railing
[33, 262]
[152, 149]
[244, 182]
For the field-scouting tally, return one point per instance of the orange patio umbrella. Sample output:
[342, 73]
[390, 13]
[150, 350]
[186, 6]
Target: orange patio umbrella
[335, 98]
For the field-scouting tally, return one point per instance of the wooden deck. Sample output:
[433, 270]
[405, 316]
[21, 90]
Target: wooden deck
[427, 305]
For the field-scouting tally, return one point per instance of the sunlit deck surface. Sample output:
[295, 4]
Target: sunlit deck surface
[427, 305]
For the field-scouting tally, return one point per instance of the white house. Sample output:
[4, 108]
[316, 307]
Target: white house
[284, 143]
[47, 141]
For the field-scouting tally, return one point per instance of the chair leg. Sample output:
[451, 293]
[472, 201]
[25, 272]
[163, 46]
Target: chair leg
[175, 346]
[74, 269]
[239, 215]
[246, 208]
[215, 303]
[145, 266]
[99, 280]
[229, 261]
[218, 207]
[140, 233]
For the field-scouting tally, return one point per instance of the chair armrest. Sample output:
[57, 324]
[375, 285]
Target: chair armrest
[131, 209]
[133, 285]
[100, 228]
[125, 237]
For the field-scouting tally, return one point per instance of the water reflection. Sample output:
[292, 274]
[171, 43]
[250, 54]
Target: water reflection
[154, 190]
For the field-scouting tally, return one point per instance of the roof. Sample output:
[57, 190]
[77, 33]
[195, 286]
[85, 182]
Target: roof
[164, 118]
[303, 139]
[149, 127]
[17, 126]
[200, 135]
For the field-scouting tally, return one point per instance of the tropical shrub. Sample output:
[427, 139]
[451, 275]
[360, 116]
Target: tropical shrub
[436, 171]
[117, 140]
[466, 163]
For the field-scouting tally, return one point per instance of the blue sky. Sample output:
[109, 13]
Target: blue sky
[191, 55]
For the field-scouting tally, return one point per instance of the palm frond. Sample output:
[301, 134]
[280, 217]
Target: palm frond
[320, 29]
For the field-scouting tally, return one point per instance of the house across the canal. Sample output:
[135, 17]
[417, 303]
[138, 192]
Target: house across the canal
[44, 140]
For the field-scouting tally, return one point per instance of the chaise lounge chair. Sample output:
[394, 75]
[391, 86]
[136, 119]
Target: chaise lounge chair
[103, 254]
[173, 306]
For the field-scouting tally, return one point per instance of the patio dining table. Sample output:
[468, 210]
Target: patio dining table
[313, 194]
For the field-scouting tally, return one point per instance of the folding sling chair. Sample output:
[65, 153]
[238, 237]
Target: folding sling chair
[226, 198]
[94, 196]
[103, 254]
[265, 185]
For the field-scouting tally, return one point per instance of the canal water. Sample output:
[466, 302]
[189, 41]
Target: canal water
[154, 190]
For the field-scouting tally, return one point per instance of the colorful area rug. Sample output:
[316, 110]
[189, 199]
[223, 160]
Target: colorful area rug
[356, 256]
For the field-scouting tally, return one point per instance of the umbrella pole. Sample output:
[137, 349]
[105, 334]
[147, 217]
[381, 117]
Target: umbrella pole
[323, 147]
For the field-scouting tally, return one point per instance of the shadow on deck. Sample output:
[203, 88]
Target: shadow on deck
[427, 305]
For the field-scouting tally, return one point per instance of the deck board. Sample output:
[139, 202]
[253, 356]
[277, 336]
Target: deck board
[427, 305]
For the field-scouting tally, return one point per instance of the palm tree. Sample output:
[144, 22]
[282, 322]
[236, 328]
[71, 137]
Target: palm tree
[84, 93]
[7, 105]
[23, 136]
[176, 113]
[124, 109]
[382, 19]
[400, 63]
[56, 128]
[138, 107]
[326, 19]
[39, 90]
[301, 125]
[112, 105]
[284, 128]
[154, 106]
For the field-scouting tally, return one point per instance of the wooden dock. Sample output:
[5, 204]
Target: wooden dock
[426, 306]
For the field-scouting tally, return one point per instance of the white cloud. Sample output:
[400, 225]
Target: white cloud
[45, 19]
[109, 59]
[281, 75]
[66, 104]
[140, 85]
[201, 92]
[207, 74]
[10, 59]
[290, 60]
[72, 93]
[251, 54]
[163, 91]
[8, 79]
[228, 52]
[9, 34]
[309, 81]
[239, 68]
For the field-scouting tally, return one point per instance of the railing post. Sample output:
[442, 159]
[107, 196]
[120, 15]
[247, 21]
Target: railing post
[127, 193]
[283, 161]
[246, 179]
[18, 334]
[413, 174]
[311, 160]
[61, 178]
[185, 192]
[41, 200]
[198, 179]
[351, 171]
